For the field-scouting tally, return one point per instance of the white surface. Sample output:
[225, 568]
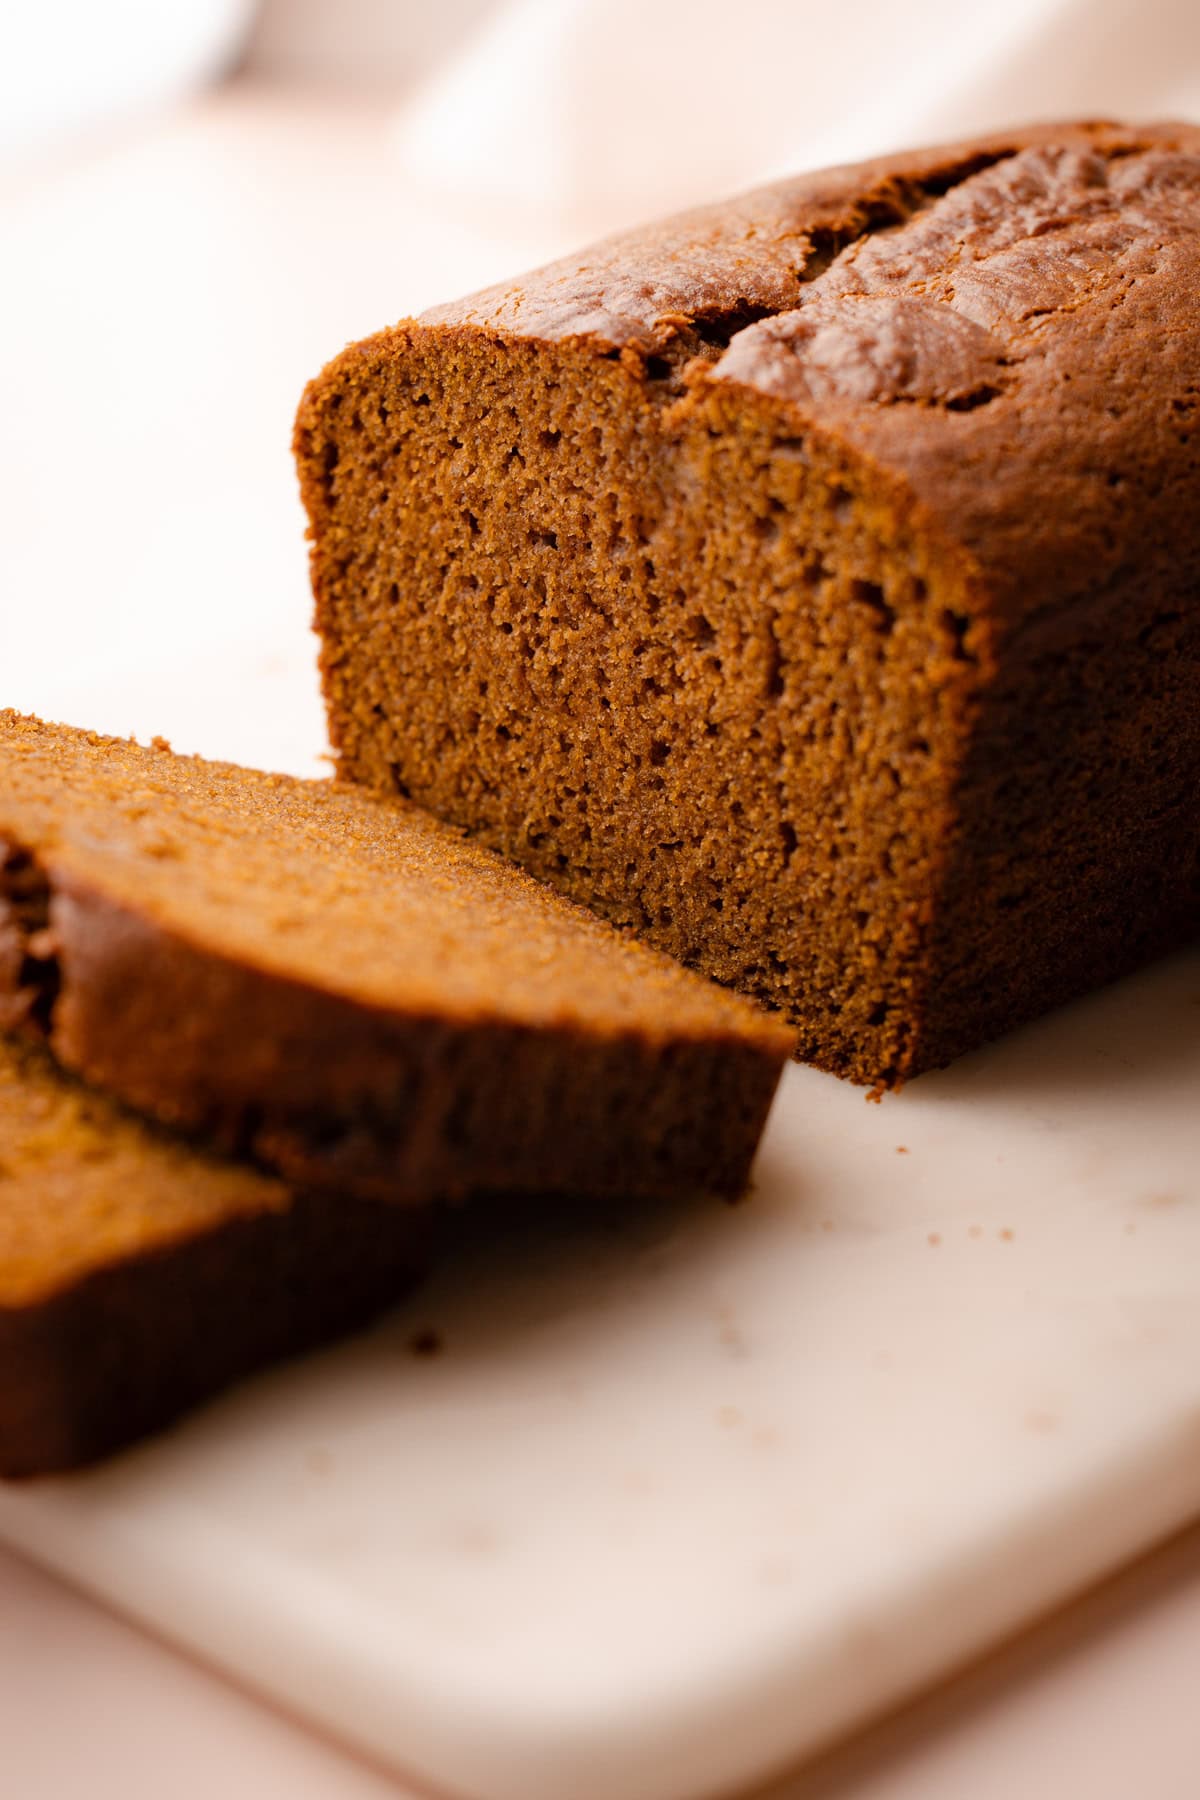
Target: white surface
[1097, 1705]
[686, 1495]
[70, 66]
[143, 1724]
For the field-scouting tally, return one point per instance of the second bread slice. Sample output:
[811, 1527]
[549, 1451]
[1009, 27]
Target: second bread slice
[349, 992]
[138, 1275]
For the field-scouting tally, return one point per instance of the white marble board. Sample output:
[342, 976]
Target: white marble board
[685, 1495]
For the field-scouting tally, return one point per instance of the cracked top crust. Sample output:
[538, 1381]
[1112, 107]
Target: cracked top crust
[1008, 329]
[752, 255]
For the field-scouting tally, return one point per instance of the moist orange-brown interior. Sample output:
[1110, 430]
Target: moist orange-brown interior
[702, 673]
[331, 888]
[85, 1186]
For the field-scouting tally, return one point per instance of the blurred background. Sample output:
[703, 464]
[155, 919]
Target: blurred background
[201, 202]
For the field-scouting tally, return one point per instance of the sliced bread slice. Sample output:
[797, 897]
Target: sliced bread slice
[139, 1275]
[347, 991]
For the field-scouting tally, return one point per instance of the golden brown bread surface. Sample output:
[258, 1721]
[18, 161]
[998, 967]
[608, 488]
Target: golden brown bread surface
[808, 581]
[345, 990]
[139, 1275]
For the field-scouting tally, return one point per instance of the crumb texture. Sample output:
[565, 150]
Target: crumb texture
[348, 991]
[807, 582]
[138, 1275]
[84, 1185]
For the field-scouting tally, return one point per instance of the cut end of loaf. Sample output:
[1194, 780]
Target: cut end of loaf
[687, 663]
[777, 580]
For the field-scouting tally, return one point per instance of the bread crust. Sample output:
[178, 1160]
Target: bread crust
[236, 1007]
[984, 356]
[139, 1276]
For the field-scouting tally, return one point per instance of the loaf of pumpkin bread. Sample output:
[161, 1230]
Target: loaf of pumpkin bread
[809, 582]
[139, 1275]
[341, 988]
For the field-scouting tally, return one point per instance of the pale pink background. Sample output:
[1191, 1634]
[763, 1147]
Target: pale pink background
[231, 227]
[1099, 1704]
